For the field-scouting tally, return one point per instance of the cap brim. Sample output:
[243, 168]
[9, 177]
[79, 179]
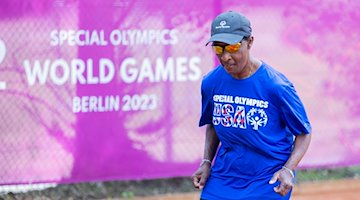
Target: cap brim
[227, 38]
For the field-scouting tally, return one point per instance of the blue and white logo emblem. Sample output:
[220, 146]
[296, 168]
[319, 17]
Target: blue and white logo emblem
[256, 118]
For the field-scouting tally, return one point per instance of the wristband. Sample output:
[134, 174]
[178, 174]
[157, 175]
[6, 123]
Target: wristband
[289, 170]
[205, 161]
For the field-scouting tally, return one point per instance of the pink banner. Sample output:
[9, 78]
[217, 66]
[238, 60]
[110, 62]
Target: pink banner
[110, 90]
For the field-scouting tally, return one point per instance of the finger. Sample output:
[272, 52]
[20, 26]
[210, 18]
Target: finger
[285, 189]
[202, 182]
[196, 181]
[278, 189]
[282, 189]
[274, 178]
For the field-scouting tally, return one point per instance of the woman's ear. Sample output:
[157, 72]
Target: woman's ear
[250, 41]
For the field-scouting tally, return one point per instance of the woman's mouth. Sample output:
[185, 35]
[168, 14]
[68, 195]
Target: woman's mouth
[229, 66]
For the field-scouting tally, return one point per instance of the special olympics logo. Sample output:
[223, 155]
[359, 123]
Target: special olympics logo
[2, 51]
[257, 118]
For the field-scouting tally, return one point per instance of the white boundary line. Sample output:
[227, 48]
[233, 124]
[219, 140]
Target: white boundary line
[25, 187]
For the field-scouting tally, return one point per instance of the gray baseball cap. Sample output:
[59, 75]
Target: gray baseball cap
[229, 27]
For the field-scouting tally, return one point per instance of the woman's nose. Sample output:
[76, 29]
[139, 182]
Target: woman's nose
[225, 56]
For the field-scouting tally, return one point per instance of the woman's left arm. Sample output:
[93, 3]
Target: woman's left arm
[286, 175]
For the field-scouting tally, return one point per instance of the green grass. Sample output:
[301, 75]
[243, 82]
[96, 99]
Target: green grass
[328, 174]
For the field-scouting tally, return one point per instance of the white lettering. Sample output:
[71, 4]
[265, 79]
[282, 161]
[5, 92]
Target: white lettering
[115, 37]
[195, 69]
[128, 75]
[106, 65]
[146, 71]
[165, 72]
[37, 71]
[55, 74]
[181, 69]
[78, 37]
[96, 104]
[77, 69]
[90, 74]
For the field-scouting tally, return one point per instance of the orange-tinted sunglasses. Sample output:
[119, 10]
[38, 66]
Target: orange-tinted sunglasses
[231, 48]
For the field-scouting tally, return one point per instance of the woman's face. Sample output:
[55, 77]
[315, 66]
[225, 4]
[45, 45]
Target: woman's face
[235, 63]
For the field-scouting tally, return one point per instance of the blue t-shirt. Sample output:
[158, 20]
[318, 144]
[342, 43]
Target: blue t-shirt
[255, 119]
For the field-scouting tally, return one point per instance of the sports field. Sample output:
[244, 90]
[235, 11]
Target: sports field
[324, 190]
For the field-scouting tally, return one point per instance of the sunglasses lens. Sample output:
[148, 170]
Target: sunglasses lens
[218, 50]
[233, 48]
[229, 48]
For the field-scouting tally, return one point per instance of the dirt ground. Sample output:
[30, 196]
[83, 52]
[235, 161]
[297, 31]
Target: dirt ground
[329, 190]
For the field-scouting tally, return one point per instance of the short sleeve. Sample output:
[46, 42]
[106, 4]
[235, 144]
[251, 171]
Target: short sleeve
[293, 111]
[206, 106]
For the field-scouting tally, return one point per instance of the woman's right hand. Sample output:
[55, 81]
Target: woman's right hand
[201, 175]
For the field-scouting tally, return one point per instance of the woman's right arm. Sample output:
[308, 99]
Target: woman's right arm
[211, 145]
